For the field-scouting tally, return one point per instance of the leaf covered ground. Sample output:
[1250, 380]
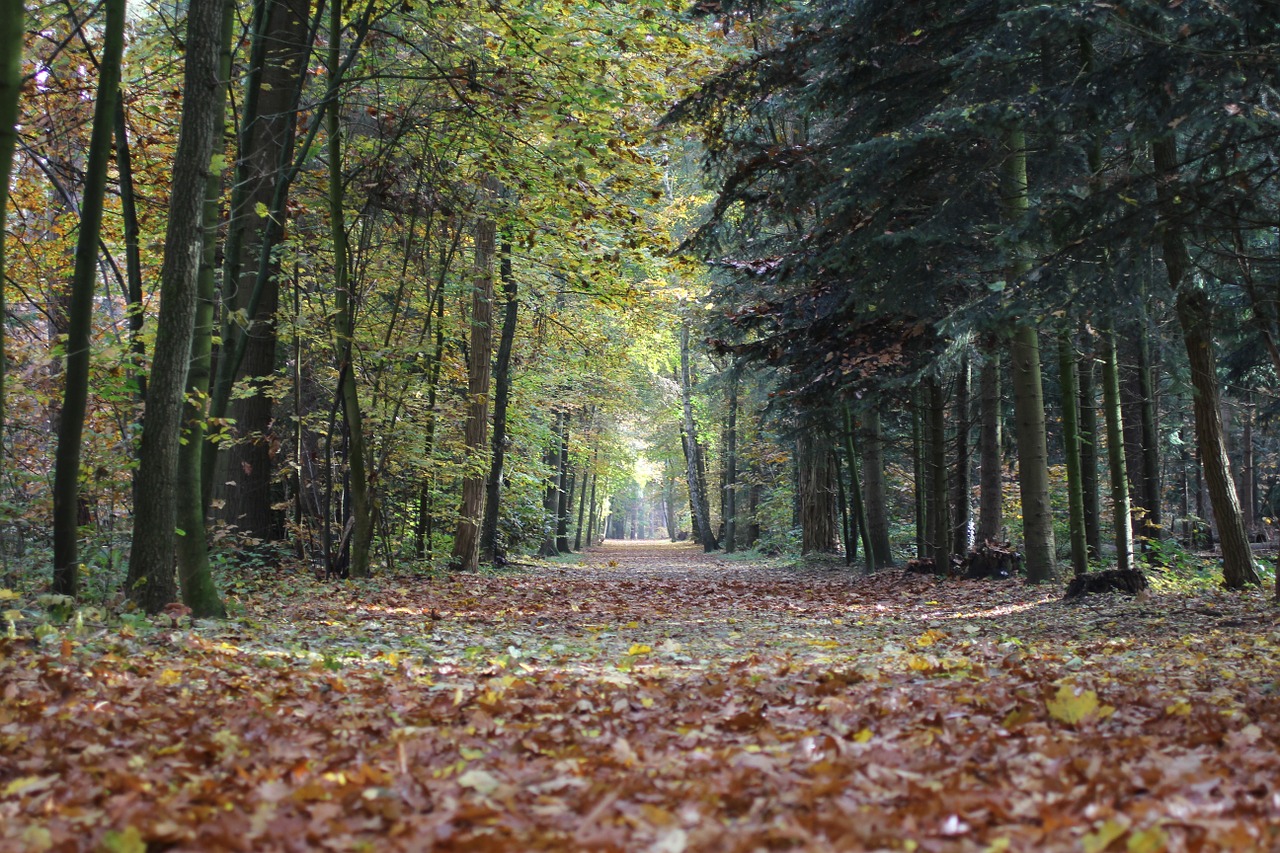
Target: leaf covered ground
[653, 699]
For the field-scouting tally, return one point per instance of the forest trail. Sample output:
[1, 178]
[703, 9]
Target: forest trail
[651, 698]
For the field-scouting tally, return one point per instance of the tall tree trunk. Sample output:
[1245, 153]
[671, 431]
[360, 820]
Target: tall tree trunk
[564, 497]
[151, 580]
[939, 529]
[12, 32]
[962, 516]
[267, 142]
[698, 498]
[582, 502]
[134, 309]
[591, 516]
[426, 515]
[194, 577]
[1088, 433]
[991, 469]
[66, 484]
[848, 534]
[1028, 394]
[551, 496]
[858, 505]
[1247, 470]
[502, 393]
[362, 509]
[1071, 453]
[919, 471]
[1148, 413]
[475, 434]
[875, 492]
[817, 492]
[731, 467]
[1195, 316]
[1116, 455]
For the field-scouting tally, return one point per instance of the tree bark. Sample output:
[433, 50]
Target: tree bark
[1071, 454]
[66, 483]
[991, 469]
[502, 393]
[151, 580]
[698, 498]
[1195, 316]
[858, 505]
[267, 143]
[919, 478]
[475, 434]
[961, 511]
[1028, 393]
[12, 32]
[1116, 456]
[731, 466]
[817, 490]
[344, 308]
[195, 579]
[875, 491]
[939, 528]
[1087, 414]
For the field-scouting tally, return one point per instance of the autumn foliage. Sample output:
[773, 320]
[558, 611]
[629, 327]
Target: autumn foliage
[650, 698]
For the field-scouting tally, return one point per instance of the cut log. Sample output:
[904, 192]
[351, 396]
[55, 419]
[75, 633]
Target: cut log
[1128, 581]
[991, 560]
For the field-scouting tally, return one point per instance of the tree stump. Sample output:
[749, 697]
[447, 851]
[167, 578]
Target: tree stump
[1127, 581]
[991, 560]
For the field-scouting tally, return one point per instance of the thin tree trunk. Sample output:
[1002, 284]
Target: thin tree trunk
[344, 309]
[848, 535]
[962, 516]
[919, 476]
[1148, 411]
[860, 526]
[875, 490]
[1247, 469]
[1195, 316]
[591, 516]
[1028, 393]
[731, 467]
[991, 469]
[66, 485]
[151, 580]
[12, 31]
[816, 494]
[502, 394]
[1071, 453]
[1116, 455]
[697, 482]
[1088, 439]
[550, 499]
[582, 504]
[134, 309]
[939, 529]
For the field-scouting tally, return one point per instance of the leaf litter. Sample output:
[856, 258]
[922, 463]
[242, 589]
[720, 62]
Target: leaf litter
[656, 699]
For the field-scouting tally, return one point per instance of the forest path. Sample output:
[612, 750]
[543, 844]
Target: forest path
[651, 698]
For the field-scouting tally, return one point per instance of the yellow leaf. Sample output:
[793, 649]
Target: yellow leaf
[862, 736]
[129, 841]
[1096, 842]
[471, 754]
[639, 649]
[1151, 840]
[8, 595]
[1178, 709]
[1070, 707]
[28, 785]
[168, 677]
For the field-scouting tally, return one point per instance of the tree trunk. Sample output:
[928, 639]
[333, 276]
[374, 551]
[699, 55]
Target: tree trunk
[551, 496]
[12, 32]
[267, 142]
[817, 495]
[475, 434]
[1116, 455]
[502, 393]
[1245, 486]
[591, 516]
[991, 469]
[1071, 453]
[66, 483]
[1148, 412]
[194, 577]
[151, 580]
[875, 491]
[1195, 316]
[859, 519]
[939, 528]
[962, 516]
[731, 467]
[582, 503]
[361, 498]
[919, 474]
[698, 498]
[1088, 432]
[1028, 394]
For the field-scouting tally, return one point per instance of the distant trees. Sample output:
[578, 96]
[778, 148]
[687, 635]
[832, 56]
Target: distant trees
[893, 178]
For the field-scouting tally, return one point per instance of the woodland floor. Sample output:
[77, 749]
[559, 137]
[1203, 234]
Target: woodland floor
[650, 698]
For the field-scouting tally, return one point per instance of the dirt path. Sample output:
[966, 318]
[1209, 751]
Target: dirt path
[651, 698]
